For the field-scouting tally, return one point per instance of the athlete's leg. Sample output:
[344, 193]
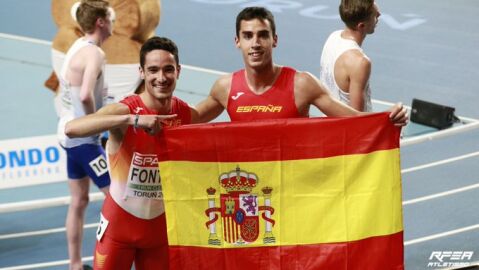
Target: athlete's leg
[116, 237]
[153, 258]
[113, 255]
[96, 167]
[154, 251]
[75, 217]
[78, 158]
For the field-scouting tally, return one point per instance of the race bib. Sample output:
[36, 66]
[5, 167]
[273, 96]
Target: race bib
[101, 227]
[144, 177]
[99, 165]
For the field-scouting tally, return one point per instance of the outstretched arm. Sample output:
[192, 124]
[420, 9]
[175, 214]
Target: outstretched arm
[215, 103]
[114, 118]
[111, 117]
[206, 110]
[309, 89]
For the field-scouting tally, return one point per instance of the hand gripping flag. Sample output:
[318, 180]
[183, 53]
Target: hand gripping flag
[319, 193]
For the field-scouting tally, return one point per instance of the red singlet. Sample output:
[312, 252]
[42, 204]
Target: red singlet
[277, 102]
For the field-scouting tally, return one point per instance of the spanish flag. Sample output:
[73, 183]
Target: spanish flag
[318, 193]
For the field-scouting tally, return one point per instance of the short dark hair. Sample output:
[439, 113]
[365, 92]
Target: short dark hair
[158, 43]
[353, 12]
[250, 13]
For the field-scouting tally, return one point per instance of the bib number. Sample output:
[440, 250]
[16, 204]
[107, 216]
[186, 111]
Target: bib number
[101, 227]
[99, 165]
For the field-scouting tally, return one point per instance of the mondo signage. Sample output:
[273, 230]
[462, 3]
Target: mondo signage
[30, 161]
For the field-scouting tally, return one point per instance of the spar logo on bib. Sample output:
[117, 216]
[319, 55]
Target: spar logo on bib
[144, 177]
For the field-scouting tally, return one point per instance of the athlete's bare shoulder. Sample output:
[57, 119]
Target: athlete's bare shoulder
[221, 88]
[354, 59]
[223, 83]
[307, 85]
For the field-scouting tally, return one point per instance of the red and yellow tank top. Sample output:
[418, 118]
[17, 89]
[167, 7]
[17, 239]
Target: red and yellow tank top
[135, 178]
[277, 102]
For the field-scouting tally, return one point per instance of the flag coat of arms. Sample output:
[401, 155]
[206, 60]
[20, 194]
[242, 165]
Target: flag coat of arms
[317, 193]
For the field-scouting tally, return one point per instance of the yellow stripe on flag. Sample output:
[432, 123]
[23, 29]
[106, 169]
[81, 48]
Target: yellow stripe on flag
[324, 200]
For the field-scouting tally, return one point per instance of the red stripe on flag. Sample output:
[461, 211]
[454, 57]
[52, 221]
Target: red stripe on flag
[381, 253]
[280, 139]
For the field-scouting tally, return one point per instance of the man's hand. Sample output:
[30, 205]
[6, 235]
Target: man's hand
[152, 123]
[398, 115]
